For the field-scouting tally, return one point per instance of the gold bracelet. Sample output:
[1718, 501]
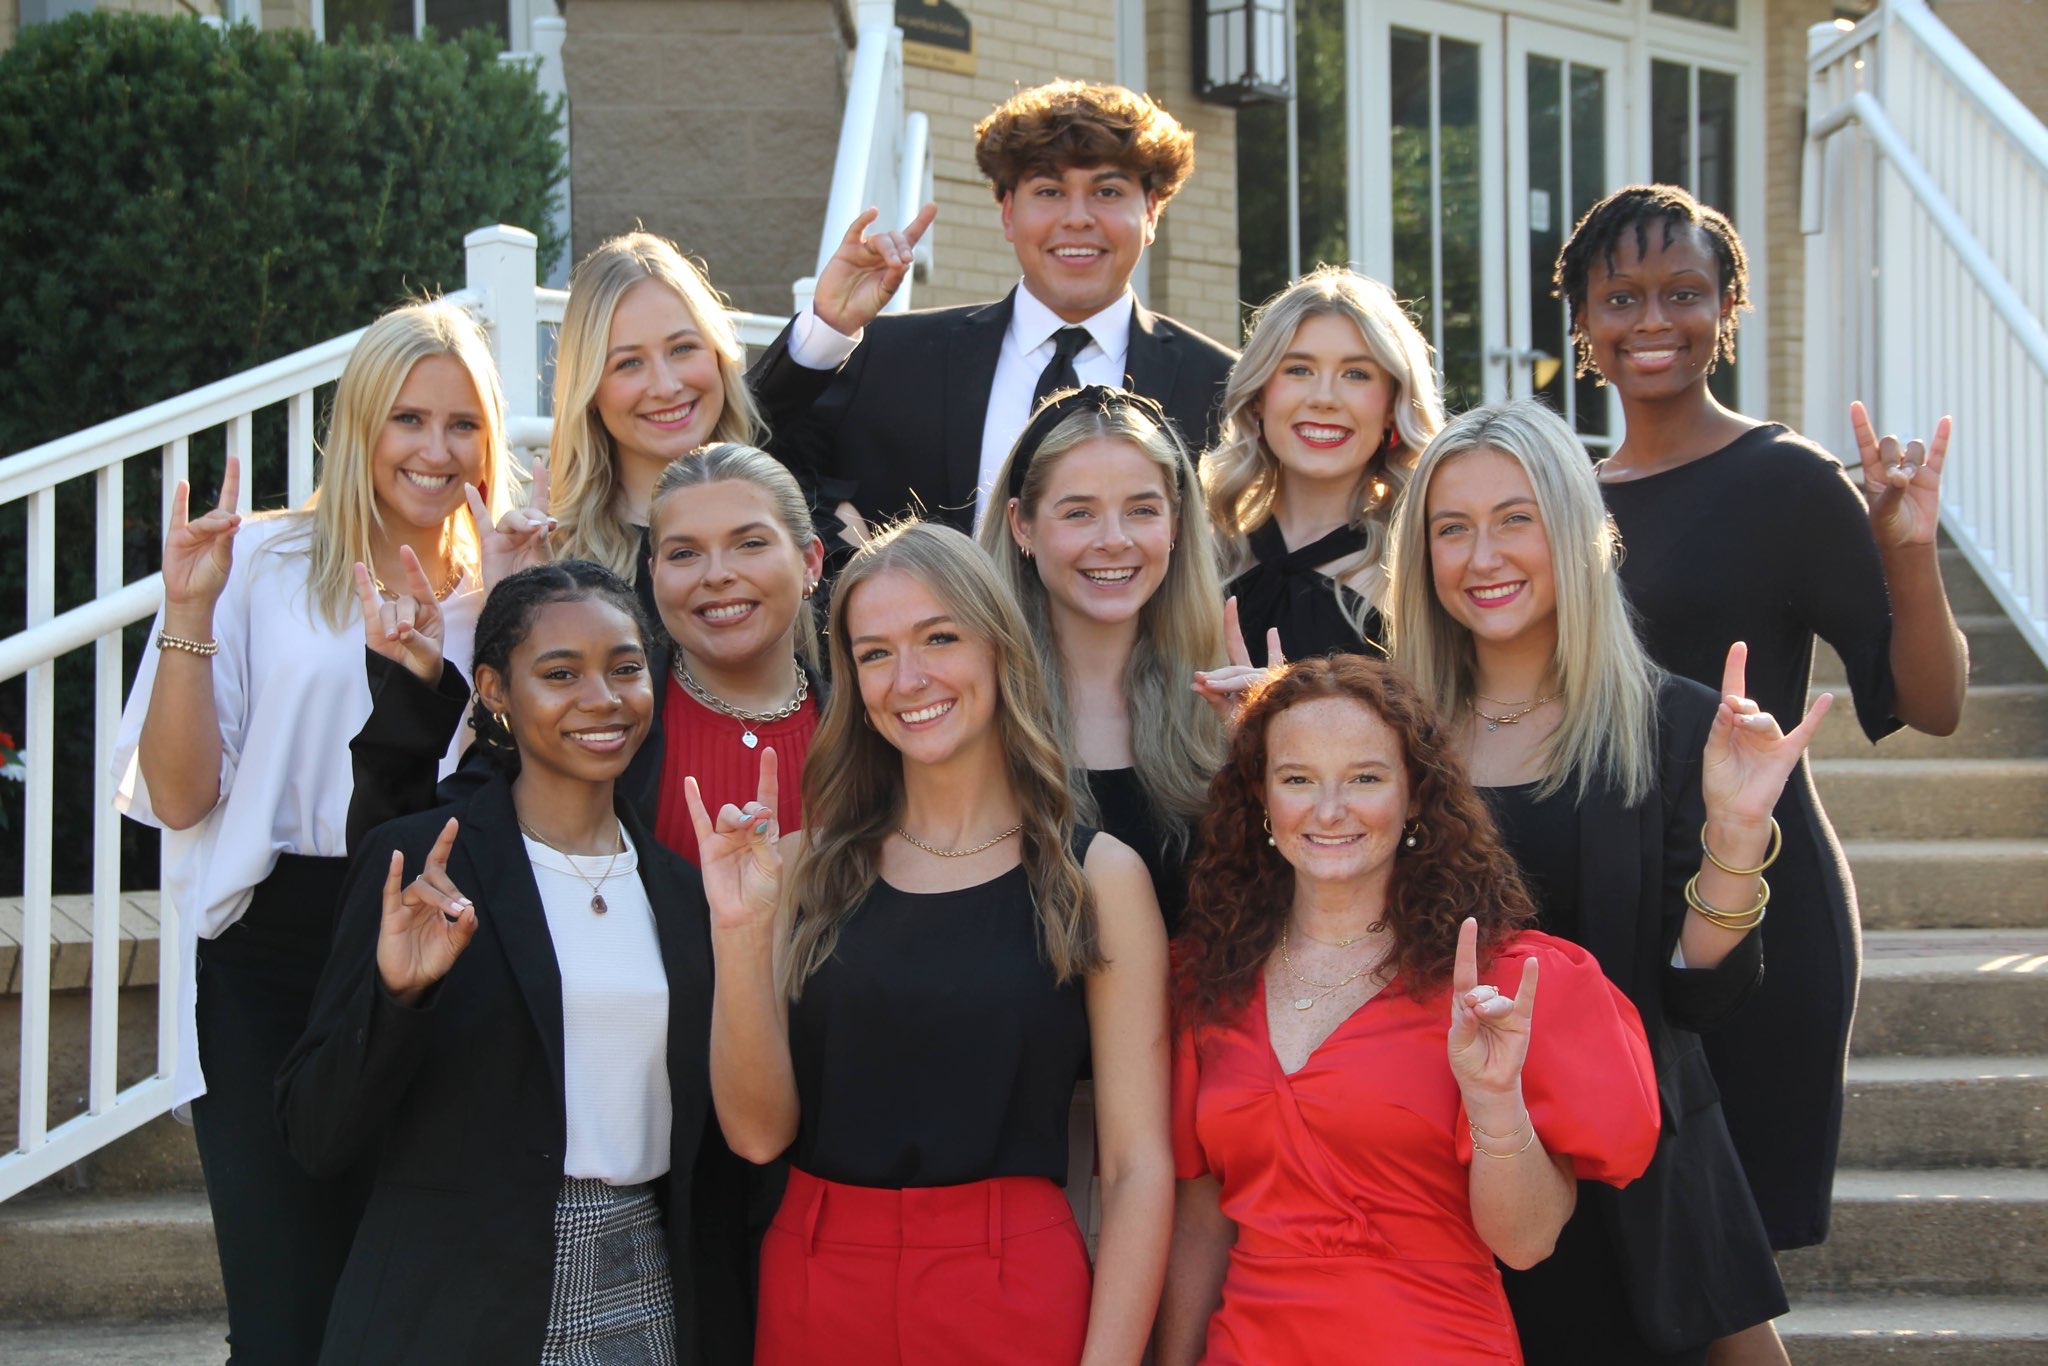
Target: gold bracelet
[1502, 1157]
[205, 649]
[1478, 1132]
[1739, 921]
[1777, 845]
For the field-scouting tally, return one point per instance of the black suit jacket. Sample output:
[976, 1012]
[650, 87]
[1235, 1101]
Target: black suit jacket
[898, 427]
[461, 1100]
[1692, 1246]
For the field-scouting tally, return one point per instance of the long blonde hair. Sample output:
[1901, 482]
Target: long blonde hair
[1242, 476]
[853, 779]
[340, 521]
[1176, 742]
[1608, 733]
[729, 460]
[583, 481]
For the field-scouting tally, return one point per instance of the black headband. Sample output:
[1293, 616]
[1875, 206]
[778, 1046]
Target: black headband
[1058, 407]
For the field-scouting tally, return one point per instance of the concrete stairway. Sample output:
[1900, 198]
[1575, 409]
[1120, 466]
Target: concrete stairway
[1940, 1245]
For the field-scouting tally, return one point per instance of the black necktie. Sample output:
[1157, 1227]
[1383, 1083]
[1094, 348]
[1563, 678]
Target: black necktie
[1059, 371]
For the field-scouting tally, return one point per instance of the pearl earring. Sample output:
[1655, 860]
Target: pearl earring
[1267, 821]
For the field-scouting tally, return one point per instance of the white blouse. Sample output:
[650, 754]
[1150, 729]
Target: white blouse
[614, 1014]
[290, 693]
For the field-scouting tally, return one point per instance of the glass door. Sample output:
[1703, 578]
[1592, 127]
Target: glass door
[1566, 148]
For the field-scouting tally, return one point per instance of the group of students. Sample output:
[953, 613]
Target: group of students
[583, 964]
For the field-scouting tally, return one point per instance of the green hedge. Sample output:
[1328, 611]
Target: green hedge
[180, 202]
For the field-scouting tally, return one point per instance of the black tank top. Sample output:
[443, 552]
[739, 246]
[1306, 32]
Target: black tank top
[933, 1048]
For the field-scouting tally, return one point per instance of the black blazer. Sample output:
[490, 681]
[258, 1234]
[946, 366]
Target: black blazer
[461, 1100]
[1692, 1245]
[898, 427]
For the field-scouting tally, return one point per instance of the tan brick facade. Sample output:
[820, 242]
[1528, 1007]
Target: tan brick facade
[1783, 247]
[2010, 37]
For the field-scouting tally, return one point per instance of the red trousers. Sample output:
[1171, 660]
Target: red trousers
[989, 1274]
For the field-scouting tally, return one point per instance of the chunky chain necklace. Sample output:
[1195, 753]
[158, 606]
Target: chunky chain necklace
[960, 853]
[440, 594]
[1322, 988]
[747, 719]
[1513, 714]
[597, 902]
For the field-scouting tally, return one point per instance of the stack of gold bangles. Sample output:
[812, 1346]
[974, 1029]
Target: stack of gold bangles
[1508, 1137]
[1738, 921]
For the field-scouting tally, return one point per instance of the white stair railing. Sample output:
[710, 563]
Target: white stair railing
[884, 158]
[501, 292]
[1925, 201]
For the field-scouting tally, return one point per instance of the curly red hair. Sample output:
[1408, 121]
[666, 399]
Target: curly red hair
[1051, 128]
[1240, 888]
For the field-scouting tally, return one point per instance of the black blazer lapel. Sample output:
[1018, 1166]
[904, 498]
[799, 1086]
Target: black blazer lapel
[1151, 361]
[506, 896]
[972, 350]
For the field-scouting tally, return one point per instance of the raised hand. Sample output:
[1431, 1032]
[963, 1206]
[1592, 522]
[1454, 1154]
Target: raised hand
[1489, 1036]
[862, 276]
[520, 539]
[406, 630]
[1902, 484]
[198, 555]
[1748, 757]
[425, 927]
[1225, 689]
[741, 866]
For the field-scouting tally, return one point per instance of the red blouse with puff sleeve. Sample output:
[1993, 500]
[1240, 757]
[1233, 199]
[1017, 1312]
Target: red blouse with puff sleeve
[1348, 1179]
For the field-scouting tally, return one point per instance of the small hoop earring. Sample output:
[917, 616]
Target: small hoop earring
[1267, 821]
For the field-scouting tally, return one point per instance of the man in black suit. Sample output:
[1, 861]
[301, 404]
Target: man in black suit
[887, 413]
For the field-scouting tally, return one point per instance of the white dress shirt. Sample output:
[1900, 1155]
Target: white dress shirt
[614, 1014]
[290, 692]
[1027, 349]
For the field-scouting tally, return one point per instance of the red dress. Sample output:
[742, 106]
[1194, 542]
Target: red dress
[1348, 1179]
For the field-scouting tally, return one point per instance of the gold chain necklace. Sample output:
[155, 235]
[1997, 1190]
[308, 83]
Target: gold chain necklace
[960, 853]
[1514, 714]
[747, 719]
[440, 594]
[1325, 988]
[597, 902]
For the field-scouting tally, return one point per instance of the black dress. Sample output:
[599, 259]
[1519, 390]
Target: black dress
[1283, 588]
[934, 1047]
[1767, 541]
[1127, 814]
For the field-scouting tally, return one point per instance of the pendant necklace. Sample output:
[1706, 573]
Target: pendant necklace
[1323, 988]
[597, 902]
[1514, 713]
[747, 719]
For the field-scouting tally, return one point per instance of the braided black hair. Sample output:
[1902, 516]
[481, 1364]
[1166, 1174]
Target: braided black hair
[507, 619]
[1637, 208]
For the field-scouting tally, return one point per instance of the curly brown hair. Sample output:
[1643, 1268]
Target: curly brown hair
[1240, 888]
[1050, 128]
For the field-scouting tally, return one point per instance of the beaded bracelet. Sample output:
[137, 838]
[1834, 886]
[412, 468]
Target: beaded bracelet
[1777, 844]
[205, 649]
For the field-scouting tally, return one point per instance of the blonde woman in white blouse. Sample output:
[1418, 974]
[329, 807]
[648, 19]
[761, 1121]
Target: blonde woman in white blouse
[235, 742]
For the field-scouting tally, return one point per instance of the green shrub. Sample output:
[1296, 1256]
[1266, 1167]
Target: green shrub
[179, 203]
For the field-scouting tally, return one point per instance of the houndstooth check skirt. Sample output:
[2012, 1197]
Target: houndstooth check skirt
[613, 1302]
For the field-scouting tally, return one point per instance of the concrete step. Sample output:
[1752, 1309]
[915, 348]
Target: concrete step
[1950, 884]
[1966, 592]
[1982, 1331]
[2000, 721]
[107, 1256]
[157, 1342]
[1946, 1112]
[1874, 799]
[1930, 993]
[1998, 653]
[1929, 1232]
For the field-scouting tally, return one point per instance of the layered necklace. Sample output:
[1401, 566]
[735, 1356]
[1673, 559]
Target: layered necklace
[440, 594]
[1320, 989]
[1515, 710]
[597, 901]
[747, 719]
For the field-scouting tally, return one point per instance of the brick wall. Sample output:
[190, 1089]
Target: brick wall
[10, 20]
[2010, 37]
[713, 123]
[1783, 247]
[1194, 268]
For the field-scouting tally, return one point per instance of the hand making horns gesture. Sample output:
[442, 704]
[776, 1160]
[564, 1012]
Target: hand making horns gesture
[406, 629]
[1903, 484]
[1225, 689]
[1489, 1036]
[862, 276]
[198, 555]
[520, 539]
[1748, 757]
[738, 856]
[426, 927]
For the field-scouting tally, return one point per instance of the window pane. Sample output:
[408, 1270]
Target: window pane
[1717, 141]
[1262, 191]
[1458, 155]
[1717, 12]
[1414, 279]
[1319, 132]
[1671, 123]
[451, 17]
[1549, 208]
[392, 16]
